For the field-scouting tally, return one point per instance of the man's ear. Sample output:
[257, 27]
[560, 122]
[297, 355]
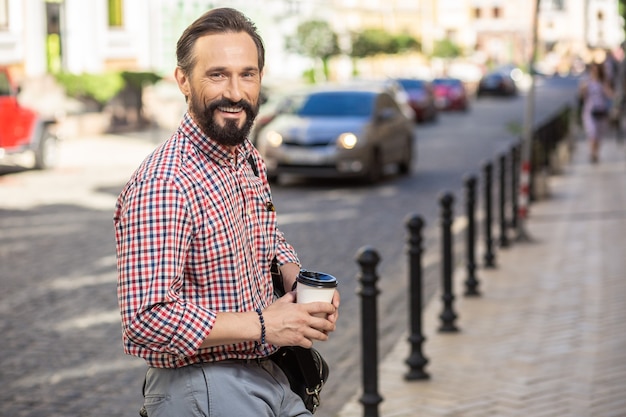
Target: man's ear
[183, 82]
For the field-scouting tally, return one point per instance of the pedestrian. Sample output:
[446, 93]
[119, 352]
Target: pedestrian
[196, 233]
[596, 97]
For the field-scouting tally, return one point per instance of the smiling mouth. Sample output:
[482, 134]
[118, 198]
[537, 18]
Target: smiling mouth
[230, 109]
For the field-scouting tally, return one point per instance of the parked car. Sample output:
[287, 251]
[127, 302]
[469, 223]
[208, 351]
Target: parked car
[340, 131]
[500, 82]
[450, 94]
[22, 129]
[276, 103]
[421, 97]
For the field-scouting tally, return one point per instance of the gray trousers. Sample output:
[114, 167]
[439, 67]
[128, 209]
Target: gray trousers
[232, 388]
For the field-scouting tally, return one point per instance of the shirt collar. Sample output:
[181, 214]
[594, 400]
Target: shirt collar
[211, 148]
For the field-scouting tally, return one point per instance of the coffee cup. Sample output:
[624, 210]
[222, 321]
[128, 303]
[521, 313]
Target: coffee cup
[315, 286]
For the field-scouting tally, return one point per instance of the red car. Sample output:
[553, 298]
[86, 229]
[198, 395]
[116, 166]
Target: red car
[421, 98]
[450, 94]
[23, 130]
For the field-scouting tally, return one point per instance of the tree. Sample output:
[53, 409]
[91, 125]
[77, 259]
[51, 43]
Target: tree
[405, 42]
[317, 40]
[445, 48]
[372, 42]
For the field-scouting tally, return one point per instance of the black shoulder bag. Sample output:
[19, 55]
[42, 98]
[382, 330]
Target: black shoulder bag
[305, 369]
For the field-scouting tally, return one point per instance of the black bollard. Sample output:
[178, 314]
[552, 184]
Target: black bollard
[471, 282]
[514, 184]
[416, 359]
[368, 259]
[448, 315]
[489, 256]
[504, 240]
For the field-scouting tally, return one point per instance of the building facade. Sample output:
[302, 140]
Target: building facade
[42, 36]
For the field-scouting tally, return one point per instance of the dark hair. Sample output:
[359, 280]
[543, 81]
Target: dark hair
[601, 73]
[222, 20]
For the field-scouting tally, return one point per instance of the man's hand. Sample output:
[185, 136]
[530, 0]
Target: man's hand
[290, 324]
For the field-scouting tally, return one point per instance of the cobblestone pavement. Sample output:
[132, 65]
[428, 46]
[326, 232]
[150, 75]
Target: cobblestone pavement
[53, 360]
[548, 335]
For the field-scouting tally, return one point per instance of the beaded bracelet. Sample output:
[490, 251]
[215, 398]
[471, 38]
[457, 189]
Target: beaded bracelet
[262, 321]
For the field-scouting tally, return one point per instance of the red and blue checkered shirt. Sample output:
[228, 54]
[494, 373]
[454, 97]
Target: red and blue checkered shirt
[195, 233]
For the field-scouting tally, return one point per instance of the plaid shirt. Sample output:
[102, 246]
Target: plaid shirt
[195, 234]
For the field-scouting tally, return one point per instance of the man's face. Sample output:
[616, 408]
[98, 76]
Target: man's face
[224, 86]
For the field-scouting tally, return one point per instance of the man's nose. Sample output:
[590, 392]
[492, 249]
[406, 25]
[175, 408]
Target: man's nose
[233, 90]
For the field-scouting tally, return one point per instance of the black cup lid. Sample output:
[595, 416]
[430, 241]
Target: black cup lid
[317, 279]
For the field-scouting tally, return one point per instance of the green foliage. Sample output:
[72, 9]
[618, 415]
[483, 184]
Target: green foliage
[445, 48]
[371, 42]
[405, 42]
[98, 87]
[138, 80]
[315, 39]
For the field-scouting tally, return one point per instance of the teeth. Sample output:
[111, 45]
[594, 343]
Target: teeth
[230, 109]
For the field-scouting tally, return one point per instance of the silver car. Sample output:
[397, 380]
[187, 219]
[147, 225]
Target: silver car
[338, 131]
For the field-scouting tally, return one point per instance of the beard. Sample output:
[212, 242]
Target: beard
[230, 134]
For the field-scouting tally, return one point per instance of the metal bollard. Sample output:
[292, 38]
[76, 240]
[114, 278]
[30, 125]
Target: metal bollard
[504, 240]
[471, 282]
[416, 359]
[368, 259]
[489, 256]
[448, 315]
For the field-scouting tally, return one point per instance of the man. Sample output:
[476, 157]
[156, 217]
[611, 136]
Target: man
[196, 234]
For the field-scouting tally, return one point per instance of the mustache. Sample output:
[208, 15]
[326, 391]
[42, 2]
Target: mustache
[224, 102]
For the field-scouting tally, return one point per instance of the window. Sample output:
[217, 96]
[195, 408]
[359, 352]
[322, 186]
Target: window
[476, 12]
[116, 14]
[4, 14]
[497, 12]
[553, 4]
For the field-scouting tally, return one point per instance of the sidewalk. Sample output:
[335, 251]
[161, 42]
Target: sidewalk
[548, 335]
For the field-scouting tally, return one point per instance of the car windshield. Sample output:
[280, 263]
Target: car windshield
[5, 87]
[337, 104]
[412, 84]
[445, 81]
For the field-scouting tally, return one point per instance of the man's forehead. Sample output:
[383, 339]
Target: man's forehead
[229, 45]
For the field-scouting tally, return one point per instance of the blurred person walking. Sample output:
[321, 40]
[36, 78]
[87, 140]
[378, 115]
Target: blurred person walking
[596, 96]
[196, 234]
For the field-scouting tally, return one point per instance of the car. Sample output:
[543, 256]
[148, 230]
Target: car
[23, 131]
[500, 82]
[421, 98]
[338, 131]
[450, 94]
[274, 104]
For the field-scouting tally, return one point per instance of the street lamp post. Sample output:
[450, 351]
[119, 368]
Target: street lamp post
[526, 145]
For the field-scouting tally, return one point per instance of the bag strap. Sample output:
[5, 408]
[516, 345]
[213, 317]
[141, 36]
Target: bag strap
[277, 278]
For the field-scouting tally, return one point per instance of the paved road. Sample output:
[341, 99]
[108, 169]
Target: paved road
[61, 349]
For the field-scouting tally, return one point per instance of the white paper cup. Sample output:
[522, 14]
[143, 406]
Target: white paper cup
[315, 286]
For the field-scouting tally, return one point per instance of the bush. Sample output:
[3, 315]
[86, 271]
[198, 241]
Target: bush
[97, 87]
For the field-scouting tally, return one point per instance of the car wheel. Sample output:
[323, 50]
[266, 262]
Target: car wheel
[46, 152]
[404, 167]
[375, 171]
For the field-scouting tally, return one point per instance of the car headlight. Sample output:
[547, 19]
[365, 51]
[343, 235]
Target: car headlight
[347, 140]
[274, 138]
